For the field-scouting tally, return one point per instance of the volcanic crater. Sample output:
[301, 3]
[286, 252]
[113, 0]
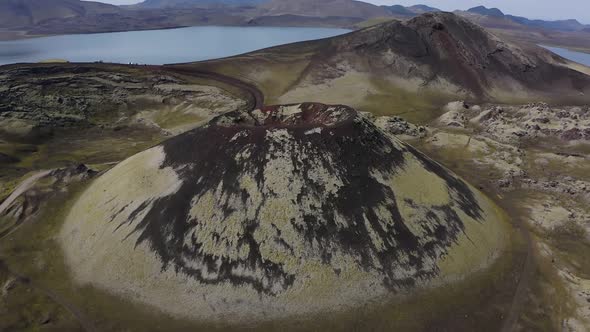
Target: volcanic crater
[287, 210]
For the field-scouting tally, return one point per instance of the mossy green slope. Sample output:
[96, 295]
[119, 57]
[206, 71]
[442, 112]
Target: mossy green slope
[283, 211]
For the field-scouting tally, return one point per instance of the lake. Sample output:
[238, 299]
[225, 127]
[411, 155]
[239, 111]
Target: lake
[157, 46]
[579, 57]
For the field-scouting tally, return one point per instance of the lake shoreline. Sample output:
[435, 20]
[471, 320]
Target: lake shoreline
[175, 45]
[12, 35]
[15, 35]
[579, 57]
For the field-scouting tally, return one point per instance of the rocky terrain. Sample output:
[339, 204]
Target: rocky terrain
[510, 130]
[149, 198]
[536, 157]
[397, 126]
[46, 97]
[536, 121]
[59, 115]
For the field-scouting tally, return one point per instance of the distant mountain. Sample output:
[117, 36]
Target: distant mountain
[304, 21]
[481, 10]
[134, 20]
[22, 13]
[196, 3]
[342, 8]
[494, 20]
[421, 9]
[400, 10]
[412, 11]
[561, 25]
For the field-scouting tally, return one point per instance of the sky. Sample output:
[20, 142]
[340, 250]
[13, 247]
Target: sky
[543, 9]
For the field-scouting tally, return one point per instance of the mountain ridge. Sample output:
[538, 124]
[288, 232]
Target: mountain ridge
[561, 25]
[18, 13]
[162, 4]
[346, 8]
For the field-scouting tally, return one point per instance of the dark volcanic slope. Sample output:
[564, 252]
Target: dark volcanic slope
[282, 211]
[437, 52]
[461, 53]
[443, 47]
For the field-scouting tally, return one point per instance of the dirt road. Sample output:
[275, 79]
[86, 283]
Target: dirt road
[255, 93]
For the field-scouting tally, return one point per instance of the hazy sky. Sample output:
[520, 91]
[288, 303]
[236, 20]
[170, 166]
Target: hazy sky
[546, 9]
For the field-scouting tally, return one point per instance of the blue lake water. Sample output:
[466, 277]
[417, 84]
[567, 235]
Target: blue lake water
[579, 57]
[157, 46]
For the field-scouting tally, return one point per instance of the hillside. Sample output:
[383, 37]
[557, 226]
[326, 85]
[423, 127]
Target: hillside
[481, 10]
[21, 13]
[279, 212]
[488, 14]
[410, 11]
[421, 9]
[132, 20]
[491, 19]
[399, 10]
[160, 4]
[345, 8]
[403, 66]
